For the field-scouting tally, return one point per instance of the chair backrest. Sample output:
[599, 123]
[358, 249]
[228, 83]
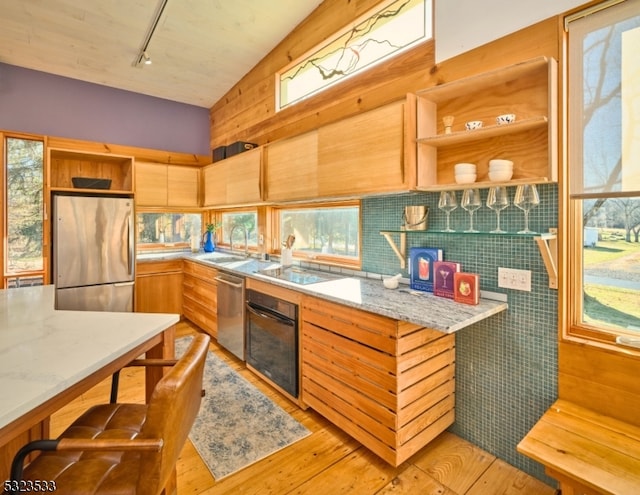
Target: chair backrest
[173, 407]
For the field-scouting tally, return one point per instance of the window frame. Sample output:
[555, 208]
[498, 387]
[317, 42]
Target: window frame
[46, 236]
[573, 327]
[322, 259]
[167, 246]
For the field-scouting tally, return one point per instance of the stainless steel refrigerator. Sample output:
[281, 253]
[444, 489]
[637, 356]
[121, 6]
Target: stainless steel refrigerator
[93, 253]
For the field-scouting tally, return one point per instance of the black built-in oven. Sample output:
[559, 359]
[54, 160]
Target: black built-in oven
[272, 339]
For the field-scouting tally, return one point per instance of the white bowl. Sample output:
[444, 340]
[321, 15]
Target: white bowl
[465, 178]
[506, 118]
[500, 164]
[500, 176]
[465, 168]
[473, 124]
[390, 283]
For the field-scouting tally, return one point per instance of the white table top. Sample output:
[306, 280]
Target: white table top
[44, 351]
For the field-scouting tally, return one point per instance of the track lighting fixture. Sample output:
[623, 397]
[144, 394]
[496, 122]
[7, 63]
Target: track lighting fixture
[143, 57]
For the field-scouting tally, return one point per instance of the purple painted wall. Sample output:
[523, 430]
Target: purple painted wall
[40, 103]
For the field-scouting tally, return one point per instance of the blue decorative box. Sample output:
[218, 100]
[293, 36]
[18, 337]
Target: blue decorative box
[421, 260]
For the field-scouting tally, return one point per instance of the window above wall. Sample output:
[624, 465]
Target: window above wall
[385, 31]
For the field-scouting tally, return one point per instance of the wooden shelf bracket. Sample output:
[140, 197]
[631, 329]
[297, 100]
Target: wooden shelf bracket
[400, 252]
[548, 246]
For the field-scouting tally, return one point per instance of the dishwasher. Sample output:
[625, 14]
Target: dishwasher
[231, 313]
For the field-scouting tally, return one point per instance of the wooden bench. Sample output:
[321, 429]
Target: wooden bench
[587, 452]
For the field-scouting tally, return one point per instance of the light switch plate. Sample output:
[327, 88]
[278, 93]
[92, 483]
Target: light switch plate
[511, 278]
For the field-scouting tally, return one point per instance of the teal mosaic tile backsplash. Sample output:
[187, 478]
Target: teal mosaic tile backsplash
[506, 365]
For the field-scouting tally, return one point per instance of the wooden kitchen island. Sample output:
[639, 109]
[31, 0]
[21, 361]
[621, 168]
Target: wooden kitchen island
[49, 357]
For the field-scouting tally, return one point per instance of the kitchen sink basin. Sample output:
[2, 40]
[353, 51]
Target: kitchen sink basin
[295, 275]
[219, 257]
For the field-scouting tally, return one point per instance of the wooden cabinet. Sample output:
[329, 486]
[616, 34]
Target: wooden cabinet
[387, 383]
[363, 154]
[291, 168]
[200, 296]
[234, 181]
[159, 287]
[527, 89]
[158, 184]
[65, 164]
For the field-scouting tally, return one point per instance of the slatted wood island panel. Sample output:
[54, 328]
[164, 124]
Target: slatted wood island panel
[387, 383]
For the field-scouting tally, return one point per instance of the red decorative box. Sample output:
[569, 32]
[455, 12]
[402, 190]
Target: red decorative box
[466, 288]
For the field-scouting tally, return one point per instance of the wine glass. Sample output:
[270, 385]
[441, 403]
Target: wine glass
[526, 199]
[498, 200]
[448, 203]
[471, 202]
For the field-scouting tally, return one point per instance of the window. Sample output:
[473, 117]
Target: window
[241, 223]
[24, 168]
[385, 31]
[168, 229]
[323, 233]
[604, 171]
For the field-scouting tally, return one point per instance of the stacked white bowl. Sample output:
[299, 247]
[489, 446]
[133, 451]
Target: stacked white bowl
[465, 173]
[500, 170]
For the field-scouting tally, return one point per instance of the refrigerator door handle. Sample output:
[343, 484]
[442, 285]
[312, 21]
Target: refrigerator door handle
[130, 246]
[123, 284]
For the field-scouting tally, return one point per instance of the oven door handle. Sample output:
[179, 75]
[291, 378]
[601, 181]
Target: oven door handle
[269, 315]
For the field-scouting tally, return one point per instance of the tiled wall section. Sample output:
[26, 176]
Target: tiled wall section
[506, 366]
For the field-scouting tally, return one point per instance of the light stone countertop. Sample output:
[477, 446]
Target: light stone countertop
[367, 294]
[44, 351]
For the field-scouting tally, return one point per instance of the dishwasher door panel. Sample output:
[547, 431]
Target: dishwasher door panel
[231, 314]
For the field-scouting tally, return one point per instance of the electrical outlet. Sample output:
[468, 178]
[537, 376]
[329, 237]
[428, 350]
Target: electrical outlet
[510, 278]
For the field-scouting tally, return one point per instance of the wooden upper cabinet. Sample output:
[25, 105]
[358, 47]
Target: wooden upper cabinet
[291, 168]
[183, 186]
[234, 181]
[363, 154]
[158, 184]
[151, 184]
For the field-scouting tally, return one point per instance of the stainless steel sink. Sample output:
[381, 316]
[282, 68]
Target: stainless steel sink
[295, 275]
[219, 257]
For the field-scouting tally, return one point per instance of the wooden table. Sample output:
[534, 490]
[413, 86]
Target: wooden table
[49, 357]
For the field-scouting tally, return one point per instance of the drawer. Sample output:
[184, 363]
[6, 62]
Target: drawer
[202, 316]
[163, 266]
[201, 291]
[201, 271]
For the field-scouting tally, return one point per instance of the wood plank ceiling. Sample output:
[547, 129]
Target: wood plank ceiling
[199, 49]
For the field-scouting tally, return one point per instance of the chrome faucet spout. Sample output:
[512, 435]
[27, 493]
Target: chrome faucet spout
[246, 238]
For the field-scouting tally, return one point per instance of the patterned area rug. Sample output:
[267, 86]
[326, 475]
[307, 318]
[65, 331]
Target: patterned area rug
[237, 424]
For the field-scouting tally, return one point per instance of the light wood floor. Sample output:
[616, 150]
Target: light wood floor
[328, 461]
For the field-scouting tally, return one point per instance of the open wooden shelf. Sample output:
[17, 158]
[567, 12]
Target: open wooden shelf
[527, 89]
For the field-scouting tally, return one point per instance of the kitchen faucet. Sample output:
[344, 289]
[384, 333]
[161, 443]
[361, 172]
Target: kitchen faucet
[246, 238]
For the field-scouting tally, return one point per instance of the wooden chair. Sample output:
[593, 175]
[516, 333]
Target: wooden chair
[123, 448]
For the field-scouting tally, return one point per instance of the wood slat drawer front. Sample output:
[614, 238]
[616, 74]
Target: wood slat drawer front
[164, 266]
[207, 273]
[368, 329]
[199, 290]
[201, 316]
[339, 357]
